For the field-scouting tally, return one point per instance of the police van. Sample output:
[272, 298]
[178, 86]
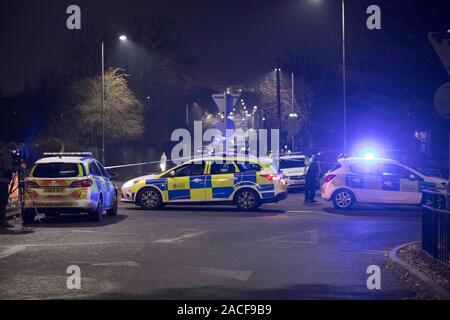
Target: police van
[69, 183]
[242, 181]
[384, 181]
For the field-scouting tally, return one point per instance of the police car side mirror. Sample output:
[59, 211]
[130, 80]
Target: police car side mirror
[113, 175]
[172, 173]
[412, 177]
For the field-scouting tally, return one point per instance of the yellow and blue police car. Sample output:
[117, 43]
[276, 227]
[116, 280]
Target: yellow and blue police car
[69, 183]
[372, 180]
[243, 181]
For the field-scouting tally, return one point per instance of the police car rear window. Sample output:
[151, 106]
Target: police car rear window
[56, 170]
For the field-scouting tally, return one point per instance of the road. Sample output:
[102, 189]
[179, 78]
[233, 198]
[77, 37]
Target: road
[284, 251]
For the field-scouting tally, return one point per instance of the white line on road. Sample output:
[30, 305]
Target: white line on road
[102, 232]
[108, 264]
[241, 275]
[312, 235]
[10, 251]
[316, 212]
[178, 239]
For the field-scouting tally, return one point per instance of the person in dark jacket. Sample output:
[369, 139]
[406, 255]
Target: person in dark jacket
[311, 179]
[7, 168]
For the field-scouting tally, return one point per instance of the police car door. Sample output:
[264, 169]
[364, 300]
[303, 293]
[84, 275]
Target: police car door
[398, 185]
[364, 180]
[98, 183]
[222, 180]
[187, 183]
[109, 190]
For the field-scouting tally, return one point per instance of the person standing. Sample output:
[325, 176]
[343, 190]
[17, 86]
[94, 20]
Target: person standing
[6, 172]
[312, 176]
[163, 162]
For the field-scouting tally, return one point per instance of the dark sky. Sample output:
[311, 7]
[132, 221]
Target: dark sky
[235, 41]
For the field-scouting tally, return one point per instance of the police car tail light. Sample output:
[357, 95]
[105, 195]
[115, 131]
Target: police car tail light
[81, 183]
[32, 184]
[329, 177]
[271, 177]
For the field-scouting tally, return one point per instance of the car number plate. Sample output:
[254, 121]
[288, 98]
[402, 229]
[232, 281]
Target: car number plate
[55, 190]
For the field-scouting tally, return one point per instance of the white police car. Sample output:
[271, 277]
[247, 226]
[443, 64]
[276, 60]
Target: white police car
[293, 168]
[69, 183]
[376, 181]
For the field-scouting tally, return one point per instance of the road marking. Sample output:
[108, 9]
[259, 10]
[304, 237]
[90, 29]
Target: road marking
[18, 248]
[11, 250]
[316, 212]
[313, 238]
[104, 232]
[241, 275]
[109, 264]
[303, 211]
[375, 252]
[179, 239]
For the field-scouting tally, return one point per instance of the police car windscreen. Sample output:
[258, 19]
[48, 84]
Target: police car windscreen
[55, 170]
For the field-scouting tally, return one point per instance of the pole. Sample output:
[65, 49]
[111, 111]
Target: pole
[292, 93]
[292, 103]
[279, 101]
[103, 103]
[187, 115]
[344, 91]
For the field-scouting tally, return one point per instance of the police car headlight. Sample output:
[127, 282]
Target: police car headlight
[129, 184]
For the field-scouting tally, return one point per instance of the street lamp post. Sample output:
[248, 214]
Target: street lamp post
[344, 77]
[103, 103]
[277, 72]
[344, 89]
[121, 38]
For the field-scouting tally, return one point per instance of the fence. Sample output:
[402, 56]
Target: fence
[436, 225]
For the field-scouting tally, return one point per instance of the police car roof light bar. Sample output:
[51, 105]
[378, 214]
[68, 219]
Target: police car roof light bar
[68, 154]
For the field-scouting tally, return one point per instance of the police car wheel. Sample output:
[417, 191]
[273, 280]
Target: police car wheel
[343, 199]
[247, 199]
[97, 214]
[114, 208]
[150, 199]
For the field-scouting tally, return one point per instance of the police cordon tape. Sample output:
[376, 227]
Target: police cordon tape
[182, 159]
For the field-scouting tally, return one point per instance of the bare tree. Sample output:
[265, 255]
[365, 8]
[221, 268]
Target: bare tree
[303, 101]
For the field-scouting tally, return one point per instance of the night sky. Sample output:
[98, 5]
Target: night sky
[235, 41]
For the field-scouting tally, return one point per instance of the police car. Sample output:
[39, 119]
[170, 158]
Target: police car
[245, 182]
[69, 183]
[293, 168]
[376, 181]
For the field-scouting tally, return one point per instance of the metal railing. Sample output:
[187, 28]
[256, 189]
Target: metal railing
[436, 225]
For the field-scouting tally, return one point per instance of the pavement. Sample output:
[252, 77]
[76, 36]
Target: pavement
[283, 251]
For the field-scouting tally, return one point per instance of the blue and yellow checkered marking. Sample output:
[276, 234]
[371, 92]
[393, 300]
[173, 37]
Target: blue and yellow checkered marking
[208, 187]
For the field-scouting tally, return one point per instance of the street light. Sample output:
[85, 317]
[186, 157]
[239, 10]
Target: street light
[121, 38]
[344, 89]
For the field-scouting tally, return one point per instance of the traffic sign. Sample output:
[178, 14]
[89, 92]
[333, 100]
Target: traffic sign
[442, 101]
[441, 44]
[221, 101]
